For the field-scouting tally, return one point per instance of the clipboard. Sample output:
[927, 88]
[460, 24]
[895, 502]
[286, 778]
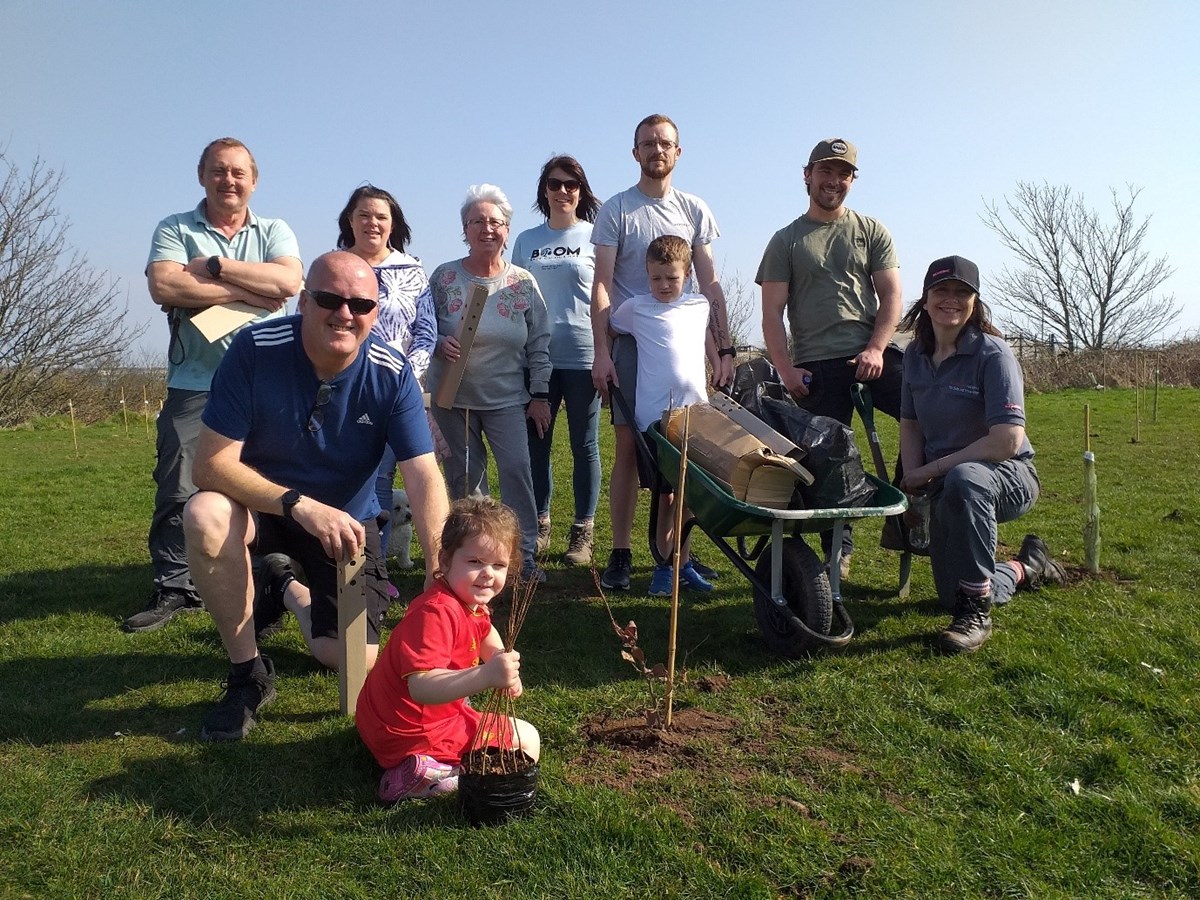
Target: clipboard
[452, 377]
[215, 322]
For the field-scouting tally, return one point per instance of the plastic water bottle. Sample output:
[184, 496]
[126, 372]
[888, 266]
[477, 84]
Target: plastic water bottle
[918, 533]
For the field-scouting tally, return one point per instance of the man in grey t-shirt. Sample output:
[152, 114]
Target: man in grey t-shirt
[624, 228]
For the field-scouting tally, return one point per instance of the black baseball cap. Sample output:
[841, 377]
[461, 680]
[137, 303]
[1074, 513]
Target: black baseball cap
[952, 268]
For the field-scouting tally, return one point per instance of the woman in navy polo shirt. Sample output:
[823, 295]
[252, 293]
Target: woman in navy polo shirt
[963, 442]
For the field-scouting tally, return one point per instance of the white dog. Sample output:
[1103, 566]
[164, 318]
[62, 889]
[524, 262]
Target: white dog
[400, 542]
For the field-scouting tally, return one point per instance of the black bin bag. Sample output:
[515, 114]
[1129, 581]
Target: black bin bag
[830, 452]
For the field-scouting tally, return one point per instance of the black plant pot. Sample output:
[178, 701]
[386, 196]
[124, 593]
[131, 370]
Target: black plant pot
[495, 797]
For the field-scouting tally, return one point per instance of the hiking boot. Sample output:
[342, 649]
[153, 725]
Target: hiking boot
[1040, 567]
[843, 565]
[270, 586]
[616, 576]
[689, 580]
[543, 538]
[417, 777]
[165, 604]
[971, 626]
[579, 545]
[233, 717]
[704, 571]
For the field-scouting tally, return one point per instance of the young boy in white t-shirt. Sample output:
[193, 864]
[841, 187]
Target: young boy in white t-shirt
[673, 338]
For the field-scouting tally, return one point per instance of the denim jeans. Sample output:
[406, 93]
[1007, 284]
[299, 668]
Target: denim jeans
[573, 389]
[384, 481]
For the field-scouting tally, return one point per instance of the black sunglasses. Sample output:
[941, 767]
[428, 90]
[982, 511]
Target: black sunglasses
[324, 394]
[360, 306]
[558, 184]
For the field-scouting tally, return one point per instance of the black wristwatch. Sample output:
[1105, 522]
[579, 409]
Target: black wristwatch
[214, 266]
[727, 351]
[289, 501]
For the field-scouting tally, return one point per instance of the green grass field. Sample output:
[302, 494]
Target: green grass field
[884, 770]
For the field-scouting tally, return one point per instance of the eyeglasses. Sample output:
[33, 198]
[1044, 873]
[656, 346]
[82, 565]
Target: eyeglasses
[495, 224]
[570, 185]
[360, 306]
[650, 146]
[317, 417]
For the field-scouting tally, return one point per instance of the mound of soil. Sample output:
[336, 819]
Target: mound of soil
[697, 741]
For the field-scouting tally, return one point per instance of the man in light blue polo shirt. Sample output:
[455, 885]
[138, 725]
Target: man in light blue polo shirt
[218, 253]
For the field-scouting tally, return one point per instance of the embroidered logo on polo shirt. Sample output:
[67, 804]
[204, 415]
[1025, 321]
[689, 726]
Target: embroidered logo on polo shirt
[364, 419]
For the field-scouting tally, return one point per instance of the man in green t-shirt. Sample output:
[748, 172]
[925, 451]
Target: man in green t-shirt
[836, 275]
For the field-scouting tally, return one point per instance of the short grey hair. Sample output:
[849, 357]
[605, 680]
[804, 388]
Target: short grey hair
[486, 193]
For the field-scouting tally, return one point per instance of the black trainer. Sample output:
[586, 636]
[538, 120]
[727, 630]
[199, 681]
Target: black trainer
[615, 576]
[971, 626]
[273, 578]
[233, 717]
[165, 604]
[1040, 567]
[702, 570]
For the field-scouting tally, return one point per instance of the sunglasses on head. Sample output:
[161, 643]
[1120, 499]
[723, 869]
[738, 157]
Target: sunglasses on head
[360, 306]
[570, 185]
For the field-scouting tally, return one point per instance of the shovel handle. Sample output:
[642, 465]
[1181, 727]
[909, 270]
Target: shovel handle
[861, 396]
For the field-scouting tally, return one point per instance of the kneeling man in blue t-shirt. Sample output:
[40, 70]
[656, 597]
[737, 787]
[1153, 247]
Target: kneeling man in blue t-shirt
[300, 411]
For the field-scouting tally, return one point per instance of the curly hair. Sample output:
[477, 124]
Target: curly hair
[475, 517]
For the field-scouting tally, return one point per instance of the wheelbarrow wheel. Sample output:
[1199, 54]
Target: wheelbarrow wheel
[809, 600]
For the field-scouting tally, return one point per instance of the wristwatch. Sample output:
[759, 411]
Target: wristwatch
[214, 266]
[289, 501]
[727, 351]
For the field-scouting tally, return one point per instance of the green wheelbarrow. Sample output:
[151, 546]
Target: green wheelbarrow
[797, 602]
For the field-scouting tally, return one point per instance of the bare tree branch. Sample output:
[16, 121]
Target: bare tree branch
[1087, 282]
[58, 315]
[740, 299]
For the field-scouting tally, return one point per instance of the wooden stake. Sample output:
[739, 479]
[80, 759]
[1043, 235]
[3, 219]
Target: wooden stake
[1087, 427]
[74, 436]
[452, 374]
[146, 411]
[678, 564]
[124, 412]
[352, 632]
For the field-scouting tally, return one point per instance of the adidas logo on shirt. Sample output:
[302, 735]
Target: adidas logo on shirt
[364, 419]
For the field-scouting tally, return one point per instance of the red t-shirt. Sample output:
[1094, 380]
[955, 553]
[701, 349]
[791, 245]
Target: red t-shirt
[437, 632]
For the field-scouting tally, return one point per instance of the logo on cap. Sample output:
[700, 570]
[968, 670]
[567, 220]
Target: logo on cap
[838, 147]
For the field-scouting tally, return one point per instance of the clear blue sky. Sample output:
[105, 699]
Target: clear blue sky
[950, 103]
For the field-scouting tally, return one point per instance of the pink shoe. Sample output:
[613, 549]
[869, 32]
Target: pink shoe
[393, 592]
[416, 778]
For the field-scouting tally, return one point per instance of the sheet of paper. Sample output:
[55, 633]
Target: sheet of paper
[217, 321]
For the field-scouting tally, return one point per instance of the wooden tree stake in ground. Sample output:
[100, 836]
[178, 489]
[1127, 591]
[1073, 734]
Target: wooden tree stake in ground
[678, 564]
[74, 436]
